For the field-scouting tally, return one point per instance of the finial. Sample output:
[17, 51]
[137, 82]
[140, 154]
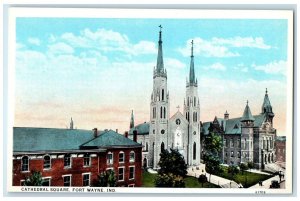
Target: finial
[160, 27]
[266, 90]
[247, 102]
[178, 107]
[192, 50]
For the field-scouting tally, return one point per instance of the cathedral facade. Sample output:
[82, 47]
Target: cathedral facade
[180, 131]
[249, 138]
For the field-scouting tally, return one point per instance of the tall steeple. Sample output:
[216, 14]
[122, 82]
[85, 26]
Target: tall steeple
[266, 107]
[192, 79]
[131, 120]
[159, 70]
[247, 115]
[71, 124]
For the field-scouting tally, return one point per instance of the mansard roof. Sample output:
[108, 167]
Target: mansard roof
[233, 126]
[28, 139]
[142, 129]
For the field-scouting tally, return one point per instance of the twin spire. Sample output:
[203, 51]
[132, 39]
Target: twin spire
[160, 71]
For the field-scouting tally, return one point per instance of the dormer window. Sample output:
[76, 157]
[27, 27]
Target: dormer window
[236, 126]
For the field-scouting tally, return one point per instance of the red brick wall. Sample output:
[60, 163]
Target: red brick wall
[280, 151]
[98, 164]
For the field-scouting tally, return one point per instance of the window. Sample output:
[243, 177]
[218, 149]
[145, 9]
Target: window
[131, 156]
[239, 143]
[239, 154]
[225, 143]
[231, 143]
[67, 180]
[162, 94]
[46, 182]
[164, 112]
[232, 154]
[178, 121]
[131, 173]
[86, 179]
[162, 131]
[188, 102]
[245, 154]
[245, 144]
[194, 151]
[109, 159]
[67, 160]
[162, 147]
[146, 146]
[161, 113]
[194, 101]
[121, 174]
[153, 131]
[121, 157]
[86, 160]
[47, 162]
[25, 163]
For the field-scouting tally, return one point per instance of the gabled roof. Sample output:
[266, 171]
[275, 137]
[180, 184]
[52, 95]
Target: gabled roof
[51, 139]
[178, 114]
[142, 129]
[233, 126]
[110, 139]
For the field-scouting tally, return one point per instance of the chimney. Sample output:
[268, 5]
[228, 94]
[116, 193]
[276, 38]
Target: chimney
[116, 130]
[95, 132]
[226, 115]
[135, 135]
[126, 134]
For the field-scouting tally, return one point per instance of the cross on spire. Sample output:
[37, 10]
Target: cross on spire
[160, 27]
[192, 50]
[178, 107]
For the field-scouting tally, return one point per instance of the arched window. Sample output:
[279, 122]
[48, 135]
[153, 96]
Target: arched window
[146, 146]
[188, 102]
[162, 147]
[196, 117]
[194, 101]
[109, 158]
[164, 112]
[194, 151]
[121, 157]
[161, 115]
[47, 162]
[153, 113]
[25, 163]
[188, 116]
[162, 94]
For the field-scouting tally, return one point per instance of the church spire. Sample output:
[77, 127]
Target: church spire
[71, 124]
[247, 115]
[160, 61]
[131, 120]
[266, 107]
[192, 78]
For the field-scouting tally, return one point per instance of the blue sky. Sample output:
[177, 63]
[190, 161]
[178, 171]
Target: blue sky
[97, 70]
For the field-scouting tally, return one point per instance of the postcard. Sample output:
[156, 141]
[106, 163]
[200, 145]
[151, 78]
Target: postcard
[148, 100]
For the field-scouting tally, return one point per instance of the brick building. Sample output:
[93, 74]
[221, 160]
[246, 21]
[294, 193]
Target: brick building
[280, 149]
[73, 157]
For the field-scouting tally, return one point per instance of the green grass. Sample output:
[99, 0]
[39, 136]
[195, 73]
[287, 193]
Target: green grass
[247, 179]
[190, 182]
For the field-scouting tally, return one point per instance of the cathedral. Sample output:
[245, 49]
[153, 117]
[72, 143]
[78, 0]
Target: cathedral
[245, 139]
[180, 131]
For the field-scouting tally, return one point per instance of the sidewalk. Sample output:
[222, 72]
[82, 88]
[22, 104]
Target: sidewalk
[267, 183]
[224, 183]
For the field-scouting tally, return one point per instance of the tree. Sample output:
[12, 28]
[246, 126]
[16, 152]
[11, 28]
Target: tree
[233, 170]
[169, 180]
[243, 167]
[107, 179]
[172, 162]
[213, 146]
[202, 179]
[172, 169]
[35, 179]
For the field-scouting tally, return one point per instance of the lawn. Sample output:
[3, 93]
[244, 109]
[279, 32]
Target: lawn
[247, 179]
[190, 182]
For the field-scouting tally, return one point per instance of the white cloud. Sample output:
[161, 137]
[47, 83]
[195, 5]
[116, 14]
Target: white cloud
[275, 67]
[215, 66]
[34, 41]
[171, 63]
[60, 48]
[207, 49]
[220, 47]
[238, 41]
[108, 41]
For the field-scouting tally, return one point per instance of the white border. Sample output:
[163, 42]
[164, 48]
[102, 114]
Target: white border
[15, 12]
